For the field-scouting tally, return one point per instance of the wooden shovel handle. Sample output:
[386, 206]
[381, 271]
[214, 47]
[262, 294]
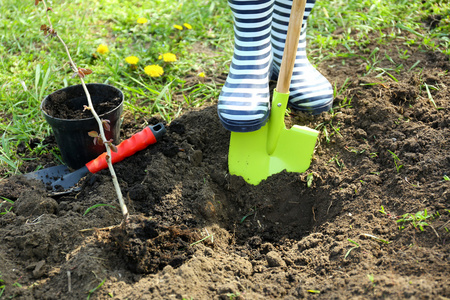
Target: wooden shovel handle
[291, 45]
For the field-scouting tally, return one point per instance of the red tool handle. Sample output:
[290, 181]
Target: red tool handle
[138, 142]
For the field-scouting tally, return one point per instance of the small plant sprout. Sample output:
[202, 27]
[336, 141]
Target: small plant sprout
[417, 220]
[446, 178]
[4, 211]
[397, 164]
[94, 289]
[2, 286]
[95, 206]
[329, 123]
[251, 213]
[382, 210]
[373, 155]
[309, 179]
[233, 296]
[372, 279]
[338, 162]
[352, 248]
[430, 97]
[201, 240]
[103, 125]
[375, 238]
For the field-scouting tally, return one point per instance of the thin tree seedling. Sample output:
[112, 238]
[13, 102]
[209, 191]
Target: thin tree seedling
[103, 125]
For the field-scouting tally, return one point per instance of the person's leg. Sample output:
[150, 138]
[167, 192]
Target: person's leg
[244, 100]
[309, 90]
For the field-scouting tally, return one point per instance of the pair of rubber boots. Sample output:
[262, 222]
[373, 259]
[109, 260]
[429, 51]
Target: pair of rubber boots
[260, 28]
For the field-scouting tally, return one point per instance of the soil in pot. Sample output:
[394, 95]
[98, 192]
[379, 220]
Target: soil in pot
[65, 111]
[60, 108]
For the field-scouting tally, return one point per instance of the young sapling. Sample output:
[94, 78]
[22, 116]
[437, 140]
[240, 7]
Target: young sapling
[99, 137]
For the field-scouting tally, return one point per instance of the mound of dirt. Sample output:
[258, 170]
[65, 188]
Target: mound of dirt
[197, 232]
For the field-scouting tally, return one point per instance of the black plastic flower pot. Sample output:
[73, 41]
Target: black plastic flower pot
[64, 111]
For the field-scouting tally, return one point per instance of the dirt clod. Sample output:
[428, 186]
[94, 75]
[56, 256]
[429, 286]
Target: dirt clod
[197, 232]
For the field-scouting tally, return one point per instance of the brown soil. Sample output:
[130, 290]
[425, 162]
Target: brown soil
[69, 104]
[196, 232]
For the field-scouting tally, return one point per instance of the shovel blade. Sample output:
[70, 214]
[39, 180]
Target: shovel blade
[248, 156]
[48, 175]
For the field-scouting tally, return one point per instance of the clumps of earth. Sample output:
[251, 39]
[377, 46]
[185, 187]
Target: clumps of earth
[368, 220]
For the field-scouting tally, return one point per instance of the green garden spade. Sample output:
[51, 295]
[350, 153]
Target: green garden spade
[273, 148]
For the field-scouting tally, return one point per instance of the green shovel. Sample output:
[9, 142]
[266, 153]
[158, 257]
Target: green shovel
[273, 148]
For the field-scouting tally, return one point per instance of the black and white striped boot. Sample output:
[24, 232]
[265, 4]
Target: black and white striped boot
[244, 100]
[309, 90]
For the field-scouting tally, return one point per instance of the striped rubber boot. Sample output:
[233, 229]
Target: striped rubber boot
[309, 90]
[244, 100]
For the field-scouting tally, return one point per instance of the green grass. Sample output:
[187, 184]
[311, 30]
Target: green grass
[32, 66]
[352, 248]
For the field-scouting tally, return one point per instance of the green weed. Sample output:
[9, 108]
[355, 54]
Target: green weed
[338, 162]
[309, 179]
[232, 296]
[2, 286]
[397, 164]
[201, 240]
[94, 289]
[96, 206]
[251, 213]
[5, 210]
[417, 220]
[376, 238]
[329, 127]
[430, 97]
[352, 248]
[372, 279]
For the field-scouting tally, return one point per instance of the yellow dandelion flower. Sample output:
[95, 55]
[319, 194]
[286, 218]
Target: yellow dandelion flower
[142, 20]
[132, 60]
[201, 74]
[154, 70]
[102, 49]
[169, 57]
[160, 57]
[188, 26]
[179, 27]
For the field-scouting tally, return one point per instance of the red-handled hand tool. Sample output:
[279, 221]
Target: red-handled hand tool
[63, 181]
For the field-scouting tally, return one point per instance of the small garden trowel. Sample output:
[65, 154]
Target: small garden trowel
[59, 180]
[273, 148]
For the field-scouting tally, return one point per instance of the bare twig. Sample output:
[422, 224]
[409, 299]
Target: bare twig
[107, 144]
